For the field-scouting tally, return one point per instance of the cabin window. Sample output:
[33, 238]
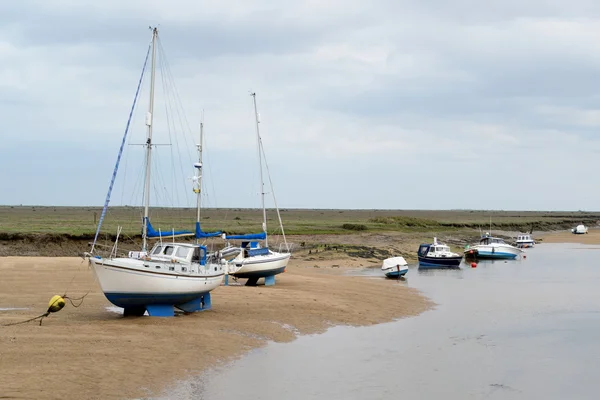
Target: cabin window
[196, 255]
[183, 252]
[157, 250]
[168, 250]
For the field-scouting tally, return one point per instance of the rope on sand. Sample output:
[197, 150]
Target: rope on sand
[55, 304]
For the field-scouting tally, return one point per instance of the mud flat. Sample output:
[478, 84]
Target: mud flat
[91, 352]
[592, 237]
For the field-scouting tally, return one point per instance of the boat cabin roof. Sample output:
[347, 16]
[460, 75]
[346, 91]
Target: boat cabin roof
[490, 240]
[438, 247]
[182, 252]
[427, 248]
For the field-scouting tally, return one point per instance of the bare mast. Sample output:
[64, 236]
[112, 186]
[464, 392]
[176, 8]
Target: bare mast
[149, 118]
[262, 183]
[198, 178]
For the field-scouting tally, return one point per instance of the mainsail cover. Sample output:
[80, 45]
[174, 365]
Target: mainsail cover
[151, 233]
[201, 234]
[248, 236]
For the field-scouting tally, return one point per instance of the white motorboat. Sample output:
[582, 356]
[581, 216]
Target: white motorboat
[492, 247]
[524, 240]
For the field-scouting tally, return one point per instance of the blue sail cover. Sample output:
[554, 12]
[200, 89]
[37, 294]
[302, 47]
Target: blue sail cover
[249, 236]
[201, 234]
[153, 234]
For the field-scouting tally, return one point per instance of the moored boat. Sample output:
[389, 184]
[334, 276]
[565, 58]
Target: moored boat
[492, 247]
[253, 258]
[170, 275]
[524, 240]
[437, 255]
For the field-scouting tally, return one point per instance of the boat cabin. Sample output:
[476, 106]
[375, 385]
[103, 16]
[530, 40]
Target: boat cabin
[179, 252]
[524, 238]
[433, 250]
[491, 240]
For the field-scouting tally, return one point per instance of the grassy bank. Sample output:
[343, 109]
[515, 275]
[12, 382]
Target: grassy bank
[81, 221]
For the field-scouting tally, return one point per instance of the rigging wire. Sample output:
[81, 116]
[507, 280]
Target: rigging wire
[186, 129]
[262, 149]
[114, 176]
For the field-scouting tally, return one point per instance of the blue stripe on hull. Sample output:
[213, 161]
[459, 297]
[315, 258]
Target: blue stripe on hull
[143, 299]
[497, 254]
[259, 274]
[439, 262]
[395, 274]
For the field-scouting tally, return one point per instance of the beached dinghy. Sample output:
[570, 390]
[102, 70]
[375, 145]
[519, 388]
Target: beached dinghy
[580, 229]
[180, 275]
[394, 267]
[437, 255]
[251, 259]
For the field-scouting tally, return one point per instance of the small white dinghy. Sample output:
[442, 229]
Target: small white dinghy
[394, 267]
[580, 229]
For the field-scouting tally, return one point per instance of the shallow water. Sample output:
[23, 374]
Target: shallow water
[520, 329]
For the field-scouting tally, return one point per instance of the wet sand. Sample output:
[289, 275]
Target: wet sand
[92, 353]
[592, 237]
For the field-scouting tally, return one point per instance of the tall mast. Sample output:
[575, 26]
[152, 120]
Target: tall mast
[198, 179]
[262, 183]
[149, 117]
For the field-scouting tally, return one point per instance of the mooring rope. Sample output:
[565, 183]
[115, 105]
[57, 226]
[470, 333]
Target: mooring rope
[56, 304]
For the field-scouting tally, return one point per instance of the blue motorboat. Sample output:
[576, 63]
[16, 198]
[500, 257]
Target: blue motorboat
[437, 255]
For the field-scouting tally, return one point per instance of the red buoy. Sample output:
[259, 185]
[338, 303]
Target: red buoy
[473, 265]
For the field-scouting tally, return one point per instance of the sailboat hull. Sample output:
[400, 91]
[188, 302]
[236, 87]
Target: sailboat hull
[259, 266]
[127, 283]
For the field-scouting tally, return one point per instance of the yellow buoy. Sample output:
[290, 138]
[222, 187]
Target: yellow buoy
[56, 303]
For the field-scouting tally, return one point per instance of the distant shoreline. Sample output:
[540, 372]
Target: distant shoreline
[67, 231]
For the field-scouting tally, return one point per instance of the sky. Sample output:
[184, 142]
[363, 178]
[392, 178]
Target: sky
[380, 104]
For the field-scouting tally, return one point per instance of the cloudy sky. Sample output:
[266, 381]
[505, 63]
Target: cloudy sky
[364, 104]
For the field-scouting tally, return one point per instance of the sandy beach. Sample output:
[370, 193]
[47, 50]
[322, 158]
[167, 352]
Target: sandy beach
[92, 353]
[592, 237]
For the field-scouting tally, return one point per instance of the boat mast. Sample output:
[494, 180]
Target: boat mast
[149, 117]
[198, 188]
[262, 183]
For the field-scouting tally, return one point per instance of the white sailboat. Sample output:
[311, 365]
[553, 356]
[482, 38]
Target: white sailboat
[170, 275]
[252, 260]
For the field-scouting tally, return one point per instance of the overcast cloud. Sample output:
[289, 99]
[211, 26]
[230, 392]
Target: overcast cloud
[364, 104]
